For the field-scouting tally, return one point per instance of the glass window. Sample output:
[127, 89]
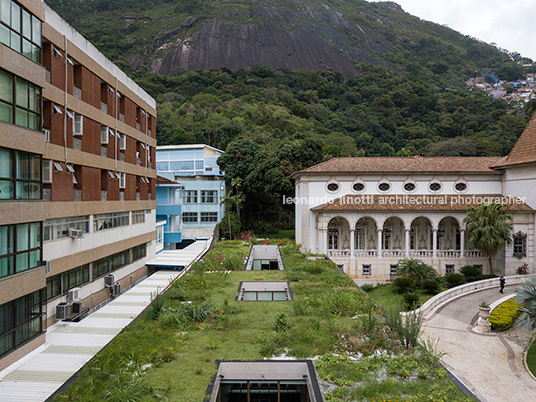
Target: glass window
[139, 252]
[109, 221]
[19, 29]
[384, 187]
[20, 175]
[333, 187]
[59, 228]
[209, 196]
[189, 217]
[209, 217]
[138, 217]
[20, 247]
[190, 196]
[24, 107]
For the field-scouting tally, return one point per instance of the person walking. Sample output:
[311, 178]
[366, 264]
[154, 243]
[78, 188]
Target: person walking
[502, 281]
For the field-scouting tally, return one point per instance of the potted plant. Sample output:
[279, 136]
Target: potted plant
[483, 320]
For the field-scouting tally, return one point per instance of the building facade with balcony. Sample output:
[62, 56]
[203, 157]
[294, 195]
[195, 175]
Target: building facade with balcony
[77, 177]
[169, 210]
[368, 213]
[203, 186]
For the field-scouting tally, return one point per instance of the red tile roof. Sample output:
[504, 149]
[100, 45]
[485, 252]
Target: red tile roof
[408, 203]
[163, 181]
[524, 150]
[414, 164]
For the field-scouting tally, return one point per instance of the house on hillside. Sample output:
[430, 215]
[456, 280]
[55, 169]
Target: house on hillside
[368, 213]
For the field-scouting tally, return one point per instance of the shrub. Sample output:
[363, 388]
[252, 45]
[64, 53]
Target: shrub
[523, 269]
[281, 323]
[229, 226]
[503, 316]
[313, 268]
[411, 300]
[408, 328]
[403, 285]
[453, 280]
[471, 273]
[431, 286]
[264, 227]
[233, 263]
[416, 270]
[367, 287]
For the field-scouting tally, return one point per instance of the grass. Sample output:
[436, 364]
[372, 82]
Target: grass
[531, 358]
[388, 300]
[171, 354]
[281, 234]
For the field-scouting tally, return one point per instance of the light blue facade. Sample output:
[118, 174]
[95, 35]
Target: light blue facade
[169, 209]
[202, 187]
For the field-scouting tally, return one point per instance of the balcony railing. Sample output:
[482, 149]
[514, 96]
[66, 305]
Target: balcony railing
[449, 253]
[365, 253]
[398, 253]
[473, 254]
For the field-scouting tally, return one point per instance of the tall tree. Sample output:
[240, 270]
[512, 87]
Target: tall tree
[488, 228]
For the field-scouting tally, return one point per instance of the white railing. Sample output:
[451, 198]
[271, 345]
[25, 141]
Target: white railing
[393, 253]
[365, 253]
[473, 254]
[421, 253]
[338, 253]
[449, 253]
[427, 308]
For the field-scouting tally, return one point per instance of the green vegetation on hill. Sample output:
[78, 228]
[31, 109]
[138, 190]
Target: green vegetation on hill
[170, 353]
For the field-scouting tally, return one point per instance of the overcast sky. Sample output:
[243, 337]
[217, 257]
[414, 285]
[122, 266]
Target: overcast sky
[508, 23]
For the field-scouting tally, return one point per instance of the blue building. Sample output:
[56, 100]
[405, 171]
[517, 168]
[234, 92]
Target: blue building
[168, 209]
[202, 188]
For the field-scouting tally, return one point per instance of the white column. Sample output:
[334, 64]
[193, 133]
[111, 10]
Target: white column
[324, 241]
[380, 231]
[407, 242]
[352, 242]
[434, 241]
[462, 243]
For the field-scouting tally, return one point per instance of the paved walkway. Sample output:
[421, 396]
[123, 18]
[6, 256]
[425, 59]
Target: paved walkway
[70, 345]
[491, 366]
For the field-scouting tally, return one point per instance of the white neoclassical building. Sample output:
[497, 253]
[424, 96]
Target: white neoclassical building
[368, 213]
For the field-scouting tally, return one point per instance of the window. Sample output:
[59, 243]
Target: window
[449, 268]
[199, 165]
[460, 187]
[190, 196]
[78, 123]
[209, 217]
[138, 217]
[181, 165]
[21, 320]
[332, 187]
[20, 248]
[139, 252]
[47, 171]
[333, 238]
[59, 228]
[74, 278]
[111, 263]
[435, 187]
[104, 135]
[122, 142]
[409, 187]
[20, 175]
[20, 101]
[122, 180]
[189, 217]
[394, 269]
[209, 196]
[20, 30]
[109, 221]
[159, 235]
[383, 187]
[160, 166]
[520, 245]
[53, 287]
[358, 187]
[366, 269]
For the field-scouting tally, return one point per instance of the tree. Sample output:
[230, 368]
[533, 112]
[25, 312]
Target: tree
[416, 270]
[488, 228]
[527, 297]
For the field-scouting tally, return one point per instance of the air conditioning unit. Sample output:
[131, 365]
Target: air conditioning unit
[109, 280]
[77, 307]
[75, 233]
[116, 289]
[73, 295]
[47, 263]
[62, 311]
[47, 135]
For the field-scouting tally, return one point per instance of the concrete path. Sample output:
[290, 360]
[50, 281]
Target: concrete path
[70, 345]
[491, 366]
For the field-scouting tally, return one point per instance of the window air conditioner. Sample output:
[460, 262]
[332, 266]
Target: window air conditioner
[109, 280]
[73, 295]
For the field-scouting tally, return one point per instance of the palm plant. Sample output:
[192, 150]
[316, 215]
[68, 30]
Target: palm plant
[488, 228]
[526, 296]
[416, 270]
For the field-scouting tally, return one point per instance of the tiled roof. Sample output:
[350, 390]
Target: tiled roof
[414, 164]
[407, 203]
[163, 181]
[524, 150]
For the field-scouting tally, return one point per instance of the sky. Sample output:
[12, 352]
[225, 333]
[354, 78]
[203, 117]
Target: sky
[508, 23]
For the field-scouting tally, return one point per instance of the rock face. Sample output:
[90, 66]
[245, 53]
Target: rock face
[276, 40]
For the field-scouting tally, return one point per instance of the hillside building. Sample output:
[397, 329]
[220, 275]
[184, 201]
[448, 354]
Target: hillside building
[77, 177]
[368, 213]
[203, 187]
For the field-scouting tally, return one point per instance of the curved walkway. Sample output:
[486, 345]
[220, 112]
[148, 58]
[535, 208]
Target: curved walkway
[490, 365]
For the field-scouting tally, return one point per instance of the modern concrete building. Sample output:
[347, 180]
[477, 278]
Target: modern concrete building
[368, 213]
[77, 177]
[194, 166]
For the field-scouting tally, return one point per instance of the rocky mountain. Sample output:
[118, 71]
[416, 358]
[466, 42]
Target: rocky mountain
[169, 36]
